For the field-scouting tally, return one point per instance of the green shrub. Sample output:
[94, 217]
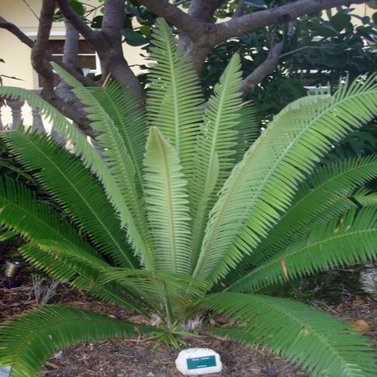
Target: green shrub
[174, 219]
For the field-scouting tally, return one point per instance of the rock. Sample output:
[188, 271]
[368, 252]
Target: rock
[5, 372]
[360, 326]
[368, 280]
[198, 361]
[269, 372]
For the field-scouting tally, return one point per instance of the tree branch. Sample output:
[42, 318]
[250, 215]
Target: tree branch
[71, 45]
[4, 24]
[175, 16]
[77, 22]
[42, 66]
[107, 42]
[200, 11]
[38, 57]
[239, 11]
[203, 10]
[263, 70]
[279, 15]
[112, 58]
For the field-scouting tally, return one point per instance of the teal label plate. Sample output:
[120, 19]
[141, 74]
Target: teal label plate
[201, 362]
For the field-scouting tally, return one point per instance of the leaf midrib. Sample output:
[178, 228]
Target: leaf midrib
[276, 259]
[83, 200]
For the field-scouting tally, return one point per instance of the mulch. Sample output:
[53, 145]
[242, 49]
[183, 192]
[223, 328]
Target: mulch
[139, 357]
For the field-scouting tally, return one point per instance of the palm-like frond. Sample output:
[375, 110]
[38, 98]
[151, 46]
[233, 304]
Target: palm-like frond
[325, 195]
[75, 189]
[341, 241]
[248, 129]
[28, 341]
[263, 183]
[244, 208]
[85, 150]
[156, 287]
[167, 205]
[39, 223]
[174, 96]
[365, 197]
[216, 147]
[121, 167]
[67, 129]
[321, 344]
[35, 220]
[68, 267]
[129, 118]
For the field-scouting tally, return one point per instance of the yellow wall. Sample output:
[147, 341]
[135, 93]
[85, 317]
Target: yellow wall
[15, 53]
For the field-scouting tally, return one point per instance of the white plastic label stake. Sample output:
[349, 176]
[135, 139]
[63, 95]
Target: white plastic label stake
[197, 361]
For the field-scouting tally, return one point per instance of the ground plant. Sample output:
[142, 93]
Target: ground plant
[184, 211]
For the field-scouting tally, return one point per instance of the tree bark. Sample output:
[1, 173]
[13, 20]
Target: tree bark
[38, 58]
[107, 42]
[204, 35]
[112, 58]
[274, 16]
[263, 70]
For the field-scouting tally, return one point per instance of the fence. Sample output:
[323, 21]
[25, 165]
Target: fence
[14, 112]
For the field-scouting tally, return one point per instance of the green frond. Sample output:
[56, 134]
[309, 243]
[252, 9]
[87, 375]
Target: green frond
[157, 286]
[28, 341]
[321, 344]
[174, 96]
[67, 129]
[121, 167]
[6, 234]
[365, 197]
[339, 242]
[85, 150]
[75, 189]
[327, 193]
[216, 147]
[129, 118]
[248, 129]
[35, 220]
[262, 185]
[54, 239]
[76, 271]
[167, 205]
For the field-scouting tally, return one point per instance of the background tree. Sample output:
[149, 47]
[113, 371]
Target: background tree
[272, 36]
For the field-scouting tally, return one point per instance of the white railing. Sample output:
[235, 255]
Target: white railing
[14, 112]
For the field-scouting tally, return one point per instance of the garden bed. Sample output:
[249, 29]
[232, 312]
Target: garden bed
[138, 357]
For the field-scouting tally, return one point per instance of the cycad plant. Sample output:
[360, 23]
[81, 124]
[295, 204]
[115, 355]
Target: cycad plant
[187, 213]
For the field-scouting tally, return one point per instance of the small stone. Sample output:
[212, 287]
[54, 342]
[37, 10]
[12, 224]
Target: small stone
[360, 326]
[368, 280]
[58, 355]
[5, 372]
[269, 372]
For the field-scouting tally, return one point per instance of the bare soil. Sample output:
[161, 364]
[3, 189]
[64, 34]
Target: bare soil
[138, 357]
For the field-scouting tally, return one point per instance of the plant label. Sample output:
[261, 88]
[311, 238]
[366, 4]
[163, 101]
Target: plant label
[197, 361]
